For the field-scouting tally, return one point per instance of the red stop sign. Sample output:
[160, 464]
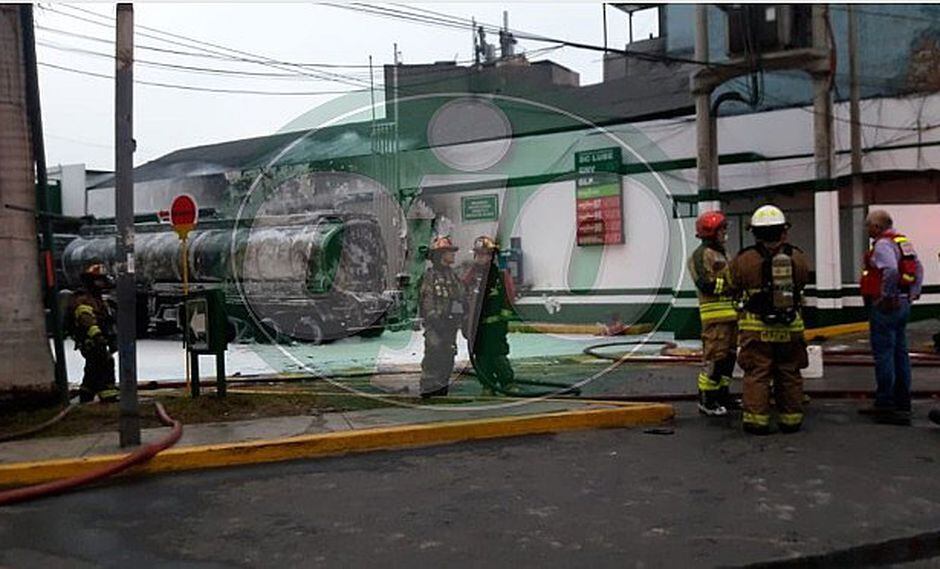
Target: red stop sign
[184, 213]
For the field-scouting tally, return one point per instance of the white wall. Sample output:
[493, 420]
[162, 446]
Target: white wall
[921, 224]
[547, 228]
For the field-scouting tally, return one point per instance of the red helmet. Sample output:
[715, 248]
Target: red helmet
[442, 243]
[709, 223]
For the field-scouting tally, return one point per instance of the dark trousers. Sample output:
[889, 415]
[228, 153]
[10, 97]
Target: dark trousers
[440, 347]
[490, 356]
[888, 332]
[99, 371]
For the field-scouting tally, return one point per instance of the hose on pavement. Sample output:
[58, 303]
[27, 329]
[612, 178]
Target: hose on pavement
[140, 456]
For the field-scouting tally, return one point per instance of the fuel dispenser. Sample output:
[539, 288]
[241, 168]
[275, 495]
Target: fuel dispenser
[206, 333]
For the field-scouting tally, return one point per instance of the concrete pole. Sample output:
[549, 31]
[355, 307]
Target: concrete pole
[705, 126]
[828, 254]
[27, 373]
[859, 211]
[129, 425]
[42, 179]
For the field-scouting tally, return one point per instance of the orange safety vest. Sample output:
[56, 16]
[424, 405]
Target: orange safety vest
[907, 266]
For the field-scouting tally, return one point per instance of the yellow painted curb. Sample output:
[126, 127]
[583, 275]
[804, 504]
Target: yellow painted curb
[339, 443]
[835, 330]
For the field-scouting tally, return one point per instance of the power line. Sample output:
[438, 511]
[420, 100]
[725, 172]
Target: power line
[870, 125]
[441, 22]
[202, 89]
[215, 49]
[174, 66]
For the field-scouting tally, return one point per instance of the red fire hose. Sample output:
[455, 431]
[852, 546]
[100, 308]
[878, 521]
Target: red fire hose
[139, 456]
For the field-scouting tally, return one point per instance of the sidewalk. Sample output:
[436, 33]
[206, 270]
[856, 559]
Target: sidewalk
[285, 438]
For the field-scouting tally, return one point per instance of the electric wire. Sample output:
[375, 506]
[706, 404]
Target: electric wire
[414, 18]
[201, 89]
[217, 49]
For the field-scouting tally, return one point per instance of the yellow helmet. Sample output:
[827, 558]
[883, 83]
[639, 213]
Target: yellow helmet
[768, 216]
[485, 243]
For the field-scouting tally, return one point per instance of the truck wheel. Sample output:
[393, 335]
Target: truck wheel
[310, 330]
[270, 332]
[373, 332]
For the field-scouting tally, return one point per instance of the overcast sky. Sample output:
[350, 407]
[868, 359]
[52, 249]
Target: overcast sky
[78, 109]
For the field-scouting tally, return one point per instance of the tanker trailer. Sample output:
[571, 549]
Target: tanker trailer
[313, 277]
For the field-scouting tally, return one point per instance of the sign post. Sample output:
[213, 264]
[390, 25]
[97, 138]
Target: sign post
[599, 197]
[184, 214]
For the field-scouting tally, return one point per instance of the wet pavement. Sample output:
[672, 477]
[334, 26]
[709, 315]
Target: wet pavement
[705, 495]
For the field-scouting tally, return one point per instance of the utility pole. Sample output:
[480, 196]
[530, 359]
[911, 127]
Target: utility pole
[828, 254]
[27, 373]
[124, 213]
[859, 236]
[705, 124]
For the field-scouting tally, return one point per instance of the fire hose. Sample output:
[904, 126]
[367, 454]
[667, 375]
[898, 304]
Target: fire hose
[137, 457]
[33, 430]
[670, 353]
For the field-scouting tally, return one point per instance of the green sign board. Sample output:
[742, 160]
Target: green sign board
[483, 207]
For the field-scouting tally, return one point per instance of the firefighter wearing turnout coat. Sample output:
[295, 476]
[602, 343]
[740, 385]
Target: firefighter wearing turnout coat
[91, 325]
[768, 279]
[707, 266]
[443, 308]
[490, 309]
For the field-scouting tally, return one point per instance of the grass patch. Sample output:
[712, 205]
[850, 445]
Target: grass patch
[98, 417]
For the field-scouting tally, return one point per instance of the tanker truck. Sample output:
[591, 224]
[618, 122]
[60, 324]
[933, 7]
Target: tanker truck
[312, 277]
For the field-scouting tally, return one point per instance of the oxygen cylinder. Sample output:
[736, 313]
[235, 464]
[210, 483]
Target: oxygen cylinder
[782, 282]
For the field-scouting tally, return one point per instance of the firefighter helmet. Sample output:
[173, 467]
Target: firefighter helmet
[95, 273]
[95, 270]
[709, 224]
[442, 243]
[485, 244]
[768, 216]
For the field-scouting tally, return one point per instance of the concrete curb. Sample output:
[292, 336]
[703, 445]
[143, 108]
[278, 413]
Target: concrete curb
[340, 443]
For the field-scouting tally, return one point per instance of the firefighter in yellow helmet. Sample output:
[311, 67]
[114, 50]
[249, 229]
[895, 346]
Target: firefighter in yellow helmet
[708, 266]
[443, 308]
[91, 325]
[490, 295]
[769, 278]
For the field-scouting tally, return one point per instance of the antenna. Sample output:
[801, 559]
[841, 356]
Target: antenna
[473, 34]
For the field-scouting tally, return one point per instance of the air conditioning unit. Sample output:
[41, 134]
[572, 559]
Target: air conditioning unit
[764, 28]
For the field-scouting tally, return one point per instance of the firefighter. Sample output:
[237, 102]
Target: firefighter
[708, 266]
[769, 278]
[490, 308]
[91, 325]
[442, 304]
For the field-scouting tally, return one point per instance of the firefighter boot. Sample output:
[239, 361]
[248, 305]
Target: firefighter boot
[709, 404]
[728, 400]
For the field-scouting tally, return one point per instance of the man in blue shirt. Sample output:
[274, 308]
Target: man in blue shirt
[891, 279]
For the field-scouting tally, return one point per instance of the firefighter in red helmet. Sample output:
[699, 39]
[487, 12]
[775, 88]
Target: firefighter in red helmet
[90, 322]
[708, 266]
[443, 308]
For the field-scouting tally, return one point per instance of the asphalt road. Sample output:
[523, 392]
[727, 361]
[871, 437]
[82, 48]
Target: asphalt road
[706, 495]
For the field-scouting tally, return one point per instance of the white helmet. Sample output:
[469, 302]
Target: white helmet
[768, 216]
